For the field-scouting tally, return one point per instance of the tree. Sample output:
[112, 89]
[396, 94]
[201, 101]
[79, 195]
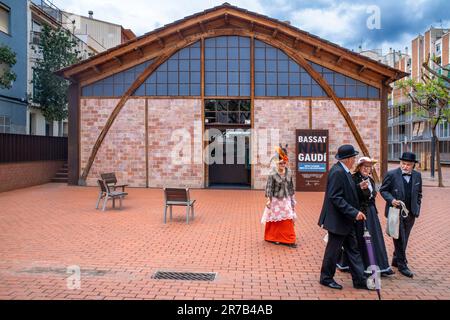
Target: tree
[57, 49]
[7, 61]
[430, 98]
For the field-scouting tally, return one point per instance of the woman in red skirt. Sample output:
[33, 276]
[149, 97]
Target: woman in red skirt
[279, 213]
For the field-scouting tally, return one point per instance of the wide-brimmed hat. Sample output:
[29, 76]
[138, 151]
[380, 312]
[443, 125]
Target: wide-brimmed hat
[281, 153]
[363, 160]
[409, 157]
[346, 151]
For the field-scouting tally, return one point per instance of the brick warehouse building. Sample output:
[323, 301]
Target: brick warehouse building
[225, 68]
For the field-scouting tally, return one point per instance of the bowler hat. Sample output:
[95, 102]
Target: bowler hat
[408, 156]
[346, 151]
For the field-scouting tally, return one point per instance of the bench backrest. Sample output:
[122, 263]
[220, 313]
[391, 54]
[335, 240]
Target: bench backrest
[103, 186]
[176, 194]
[109, 177]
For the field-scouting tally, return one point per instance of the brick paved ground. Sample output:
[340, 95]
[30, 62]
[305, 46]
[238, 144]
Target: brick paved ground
[46, 228]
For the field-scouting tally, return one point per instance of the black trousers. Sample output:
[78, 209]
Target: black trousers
[332, 254]
[401, 243]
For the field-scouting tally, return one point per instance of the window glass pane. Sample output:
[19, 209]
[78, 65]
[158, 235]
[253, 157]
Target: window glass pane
[351, 92]
[244, 65]
[184, 77]
[184, 65]
[350, 81]
[329, 78]
[119, 78]
[260, 65]
[183, 90]
[283, 90]
[173, 90]
[4, 20]
[195, 89]
[221, 53]
[98, 90]
[108, 90]
[222, 77]
[210, 90]
[161, 89]
[172, 77]
[150, 89]
[195, 65]
[305, 90]
[210, 65]
[260, 90]
[210, 53]
[233, 41]
[221, 90]
[140, 91]
[221, 42]
[271, 78]
[119, 90]
[294, 78]
[294, 90]
[283, 66]
[340, 91]
[161, 77]
[233, 90]
[271, 65]
[293, 66]
[260, 78]
[244, 53]
[210, 42]
[373, 93]
[282, 55]
[195, 53]
[163, 67]
[151, 79]
[233, 77]
[183, 53]
[195, 77]
[172, 65]
[210, 77]
[316, 91]
[271, 90]
[244, 42]
[283, 78]
[260, 53]
[245, 90]
[87, 91]
[244, 78]
[109, 80]
[233, 65]
[233, 53]
[362, 91]
[271, 53]
[221, 65]
[305, 78]
[339, 79]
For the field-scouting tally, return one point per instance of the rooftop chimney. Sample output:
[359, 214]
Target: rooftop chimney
[91, 14]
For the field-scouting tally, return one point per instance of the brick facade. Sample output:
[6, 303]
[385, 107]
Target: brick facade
[170, 121]
[123, 149]
[285, 116]
[25, 174]
[365, 115]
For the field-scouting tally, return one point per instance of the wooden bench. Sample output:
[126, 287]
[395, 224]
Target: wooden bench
[111, 180]
[106, 194]
[178, 197]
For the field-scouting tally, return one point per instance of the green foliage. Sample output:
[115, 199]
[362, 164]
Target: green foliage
[57, 49]
[7, 61]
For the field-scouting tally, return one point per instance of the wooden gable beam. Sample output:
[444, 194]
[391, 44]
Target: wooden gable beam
[161, 42]
[202, 26]
[274, 33]
[362, 69]
[140, 51]
[297, 43]
[317, 51]
[339, 60]
[180, 34]
[252, 26]
[227, 19]
[96, 69]
[118, 60]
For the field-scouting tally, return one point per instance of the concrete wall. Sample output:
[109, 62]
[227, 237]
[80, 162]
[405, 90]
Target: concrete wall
[25, 174]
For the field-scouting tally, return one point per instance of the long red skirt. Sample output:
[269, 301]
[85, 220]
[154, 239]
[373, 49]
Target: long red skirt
[281, 231]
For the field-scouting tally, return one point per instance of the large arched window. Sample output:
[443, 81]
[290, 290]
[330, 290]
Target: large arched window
[227, 66]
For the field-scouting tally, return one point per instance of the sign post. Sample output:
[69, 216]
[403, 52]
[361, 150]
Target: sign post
[311, 159]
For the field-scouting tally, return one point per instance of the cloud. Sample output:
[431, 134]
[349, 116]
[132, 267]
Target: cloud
[342, 22]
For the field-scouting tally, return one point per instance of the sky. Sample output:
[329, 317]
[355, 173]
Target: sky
[371, 24]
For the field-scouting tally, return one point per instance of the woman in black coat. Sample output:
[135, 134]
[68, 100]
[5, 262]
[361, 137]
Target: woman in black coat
[367, 193]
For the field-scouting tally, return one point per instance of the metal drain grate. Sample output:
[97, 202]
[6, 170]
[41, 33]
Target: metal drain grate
[193, 276]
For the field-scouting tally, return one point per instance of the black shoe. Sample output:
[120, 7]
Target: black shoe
[389, 272]
[407, 273]
[332, 285]
[362, 286]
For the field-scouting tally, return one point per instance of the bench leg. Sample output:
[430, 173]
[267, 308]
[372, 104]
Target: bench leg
[104, 203]
[120, 202]
[114, 202]
[165, 213]
[187, 214]
[192, 208]
[170, 212]
[98, 200]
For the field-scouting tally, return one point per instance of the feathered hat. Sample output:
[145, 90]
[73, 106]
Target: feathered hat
[281, 153]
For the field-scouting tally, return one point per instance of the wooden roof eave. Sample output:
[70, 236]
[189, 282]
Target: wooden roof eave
[200, 19]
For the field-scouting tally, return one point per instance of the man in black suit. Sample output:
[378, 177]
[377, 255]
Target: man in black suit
[338, 216]
[403, 184]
